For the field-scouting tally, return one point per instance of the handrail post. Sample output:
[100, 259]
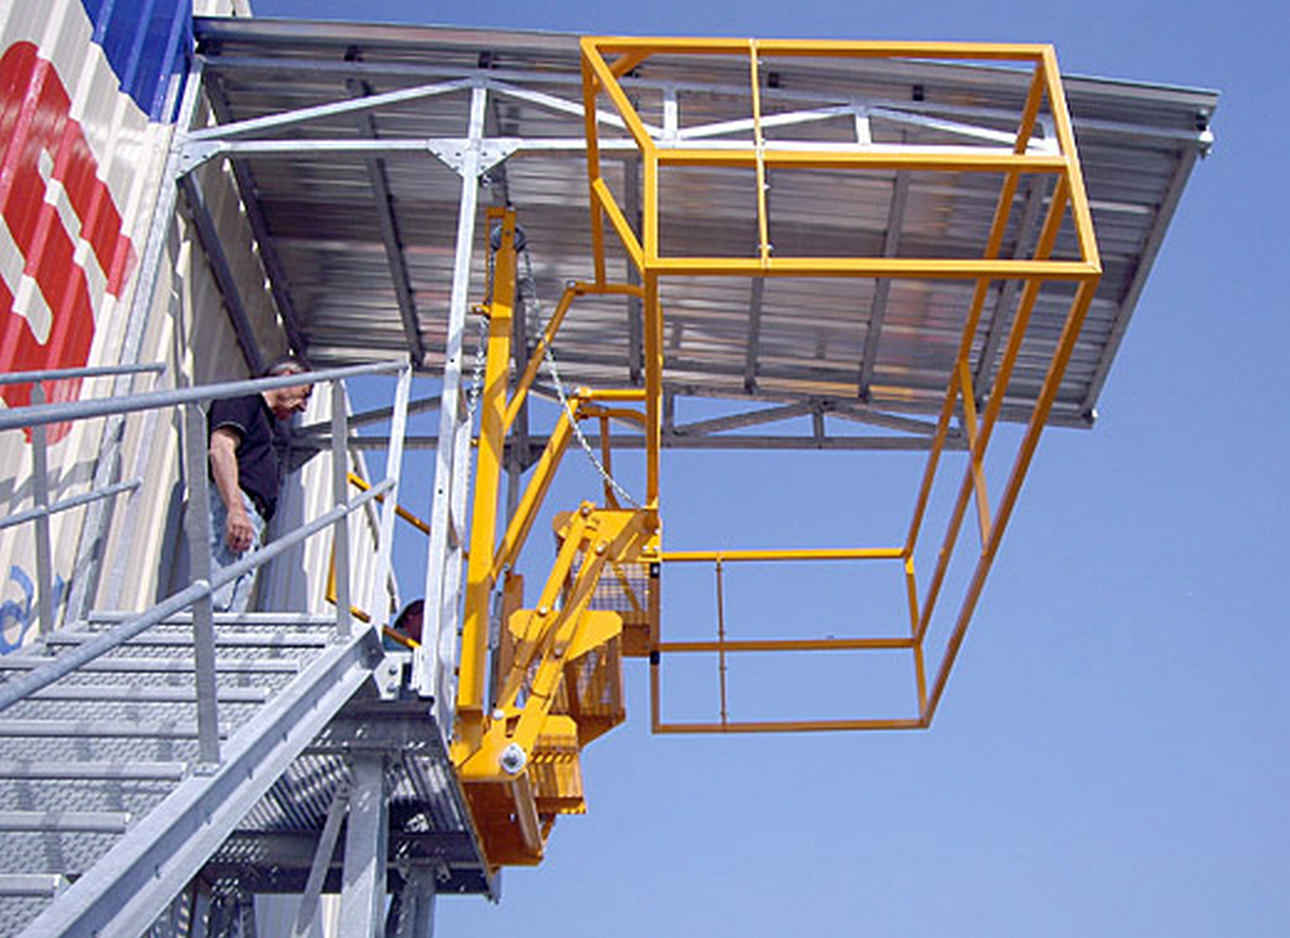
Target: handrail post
[379, 604]
[340, 493]
[197, 522]
[40, 497]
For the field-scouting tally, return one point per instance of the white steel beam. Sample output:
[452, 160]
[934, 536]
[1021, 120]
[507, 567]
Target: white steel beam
[435, 660]
[366, 839]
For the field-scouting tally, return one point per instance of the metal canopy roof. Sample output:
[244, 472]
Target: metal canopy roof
[356, 211]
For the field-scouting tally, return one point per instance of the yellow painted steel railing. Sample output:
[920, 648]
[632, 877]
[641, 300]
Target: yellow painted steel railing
[362, 614]
[607, 60]
[557, 685]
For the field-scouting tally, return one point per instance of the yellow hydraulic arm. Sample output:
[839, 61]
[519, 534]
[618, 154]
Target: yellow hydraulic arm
[560, 683]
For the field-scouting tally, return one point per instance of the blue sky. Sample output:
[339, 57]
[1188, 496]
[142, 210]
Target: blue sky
[1110, 758]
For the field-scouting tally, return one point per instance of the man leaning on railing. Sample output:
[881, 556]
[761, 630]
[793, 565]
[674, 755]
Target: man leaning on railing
[244, 467]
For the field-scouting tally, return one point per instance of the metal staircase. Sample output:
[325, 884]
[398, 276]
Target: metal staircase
[158, 769]
[103, 786]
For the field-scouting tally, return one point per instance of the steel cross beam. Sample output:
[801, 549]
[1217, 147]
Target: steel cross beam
[882, 289]
[208, 237]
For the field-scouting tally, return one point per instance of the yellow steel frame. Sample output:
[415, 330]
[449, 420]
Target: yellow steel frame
[558, 685]
[517, 755]
[605, 61]
[362, 614]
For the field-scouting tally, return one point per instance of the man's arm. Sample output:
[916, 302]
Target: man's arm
[238, 532]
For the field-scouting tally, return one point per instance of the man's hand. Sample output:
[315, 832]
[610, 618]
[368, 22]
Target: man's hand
[238, 532]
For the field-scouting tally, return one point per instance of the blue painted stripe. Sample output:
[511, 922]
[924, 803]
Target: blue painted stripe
[147, 43]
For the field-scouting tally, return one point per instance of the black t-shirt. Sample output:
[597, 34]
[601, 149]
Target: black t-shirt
[257, 458]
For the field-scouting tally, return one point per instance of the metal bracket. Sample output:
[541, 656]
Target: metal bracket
[193, 153]
[453, 153]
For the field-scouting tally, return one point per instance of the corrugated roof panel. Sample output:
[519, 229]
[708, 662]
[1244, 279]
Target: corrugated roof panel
[807, 337]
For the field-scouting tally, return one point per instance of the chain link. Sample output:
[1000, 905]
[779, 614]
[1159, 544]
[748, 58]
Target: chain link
[477, 373]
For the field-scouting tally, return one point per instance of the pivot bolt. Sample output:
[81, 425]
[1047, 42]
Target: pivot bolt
[513, 759]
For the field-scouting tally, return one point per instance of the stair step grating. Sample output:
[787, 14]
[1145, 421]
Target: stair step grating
[90, 757]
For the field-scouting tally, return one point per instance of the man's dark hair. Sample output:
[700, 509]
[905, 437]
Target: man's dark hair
[286, 365]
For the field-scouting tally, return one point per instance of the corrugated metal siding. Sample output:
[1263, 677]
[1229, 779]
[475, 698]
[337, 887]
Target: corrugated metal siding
[83, 155]
[147, 43]
[80, 168]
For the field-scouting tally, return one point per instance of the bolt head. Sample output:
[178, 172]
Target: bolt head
[513, 759]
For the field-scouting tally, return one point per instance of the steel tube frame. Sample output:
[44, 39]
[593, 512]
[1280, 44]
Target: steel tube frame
[435, 660]
[1032, 271]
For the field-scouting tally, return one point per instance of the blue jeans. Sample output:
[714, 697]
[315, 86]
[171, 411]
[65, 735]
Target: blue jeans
[234, 596]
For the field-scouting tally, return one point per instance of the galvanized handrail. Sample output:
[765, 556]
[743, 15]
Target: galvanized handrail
[42, 414]
[93, 371]
[14, 690]
[199, 592]
[67, 504]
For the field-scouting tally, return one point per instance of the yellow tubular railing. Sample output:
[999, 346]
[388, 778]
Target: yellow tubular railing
[362, 614]
[1069, 200]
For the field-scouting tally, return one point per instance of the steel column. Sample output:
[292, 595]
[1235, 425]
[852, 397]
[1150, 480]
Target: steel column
[197, 521]
[366, 839]
[436, 659]
[416, 907]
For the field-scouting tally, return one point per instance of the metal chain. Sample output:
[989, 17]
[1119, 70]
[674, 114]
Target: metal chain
[477, 373]
[481, 353]
[528, 288]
